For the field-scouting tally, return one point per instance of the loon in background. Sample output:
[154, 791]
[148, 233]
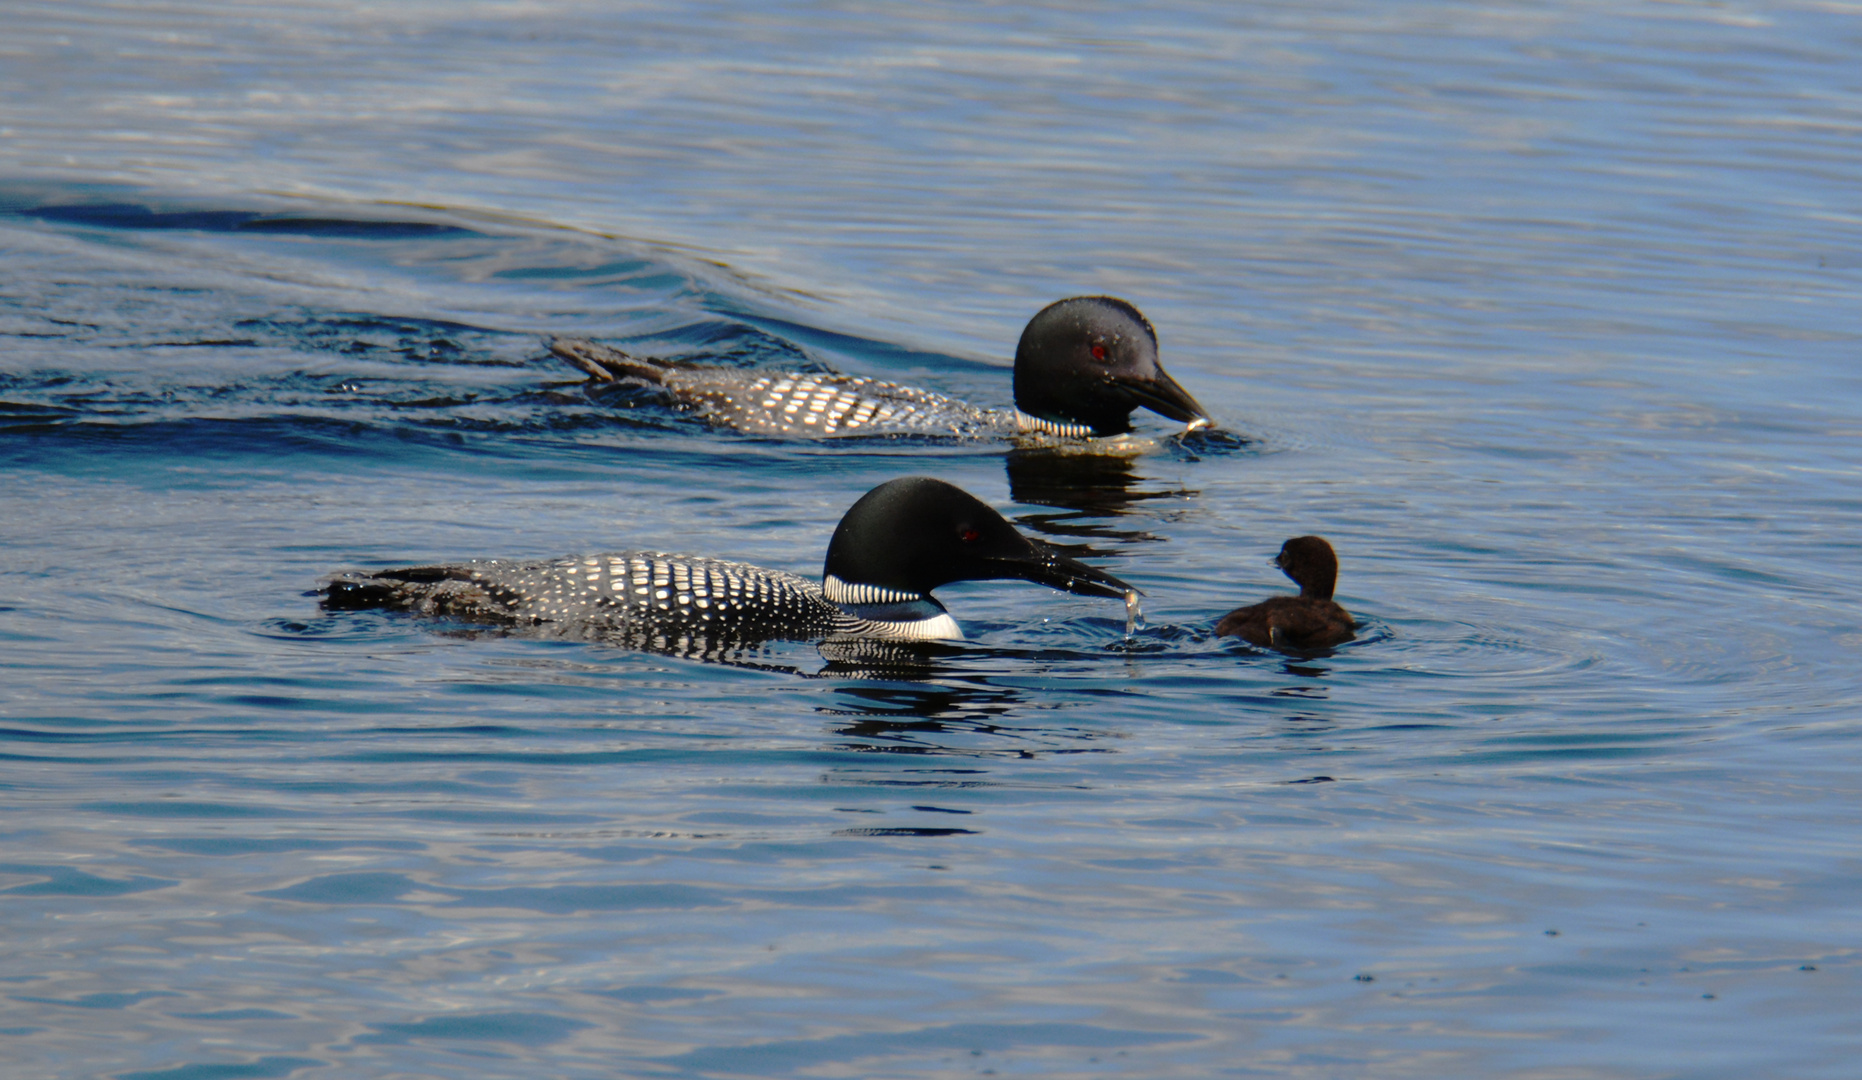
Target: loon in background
[1081, 368]
[1311, 620]
[902, 539]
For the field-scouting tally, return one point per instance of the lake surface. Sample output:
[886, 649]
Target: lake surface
[1548, 316]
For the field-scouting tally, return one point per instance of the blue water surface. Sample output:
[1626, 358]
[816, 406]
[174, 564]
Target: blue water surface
[1547, 315]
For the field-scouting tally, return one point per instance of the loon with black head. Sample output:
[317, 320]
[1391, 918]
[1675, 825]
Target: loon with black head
[1082, 367]
[901, 540]
[1311, 620]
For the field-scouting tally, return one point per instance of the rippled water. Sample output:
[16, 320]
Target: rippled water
[1545, 315]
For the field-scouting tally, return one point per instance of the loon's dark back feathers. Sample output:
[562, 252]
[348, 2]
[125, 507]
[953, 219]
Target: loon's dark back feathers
[791, 403]
[635, 589]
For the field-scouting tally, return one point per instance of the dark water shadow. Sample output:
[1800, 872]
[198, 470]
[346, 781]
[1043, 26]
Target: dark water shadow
[25, 417]
[1084, 489]
[123, 215]
[897, 718]
[957, 702]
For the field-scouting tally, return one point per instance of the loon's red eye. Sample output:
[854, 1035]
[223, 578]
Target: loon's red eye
[1099, 351]
[970, 536]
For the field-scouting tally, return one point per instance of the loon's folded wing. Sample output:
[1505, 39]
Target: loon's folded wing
[797, 404]
[634, 589]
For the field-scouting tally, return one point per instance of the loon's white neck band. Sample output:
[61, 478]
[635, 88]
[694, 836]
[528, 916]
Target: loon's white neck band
[1025, 423]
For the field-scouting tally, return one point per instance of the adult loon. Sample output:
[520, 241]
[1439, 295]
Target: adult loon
[901, 540]
[1311, 620]
[1081, 367]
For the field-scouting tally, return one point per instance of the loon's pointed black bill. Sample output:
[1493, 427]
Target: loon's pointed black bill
[1045, 566]
[1163, 395]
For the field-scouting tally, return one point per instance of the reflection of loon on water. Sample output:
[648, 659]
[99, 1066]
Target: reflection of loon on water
[1086, 494]
[1082, 367]
[900, 541]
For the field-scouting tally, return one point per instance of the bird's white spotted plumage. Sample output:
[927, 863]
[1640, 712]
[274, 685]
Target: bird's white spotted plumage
[654, 597]
[817, 405]
[823, 405]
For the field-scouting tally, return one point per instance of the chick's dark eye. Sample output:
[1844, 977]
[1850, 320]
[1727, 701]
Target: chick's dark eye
[1099, 351]
[969, 536]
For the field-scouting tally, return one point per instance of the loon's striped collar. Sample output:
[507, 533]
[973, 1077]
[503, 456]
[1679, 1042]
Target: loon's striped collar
[842, 592]
[892, 613]
[1025, 424]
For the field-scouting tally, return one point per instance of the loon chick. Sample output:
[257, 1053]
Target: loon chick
[1311, 620]
[900, 541]
[1081, 367]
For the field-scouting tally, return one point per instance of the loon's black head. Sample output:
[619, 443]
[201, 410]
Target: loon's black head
[1092, 360]
[1310, 561]
[910, 535]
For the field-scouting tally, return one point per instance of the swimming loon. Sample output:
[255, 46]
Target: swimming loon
[898, 542]
[1081, 367]
[1311, 620]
